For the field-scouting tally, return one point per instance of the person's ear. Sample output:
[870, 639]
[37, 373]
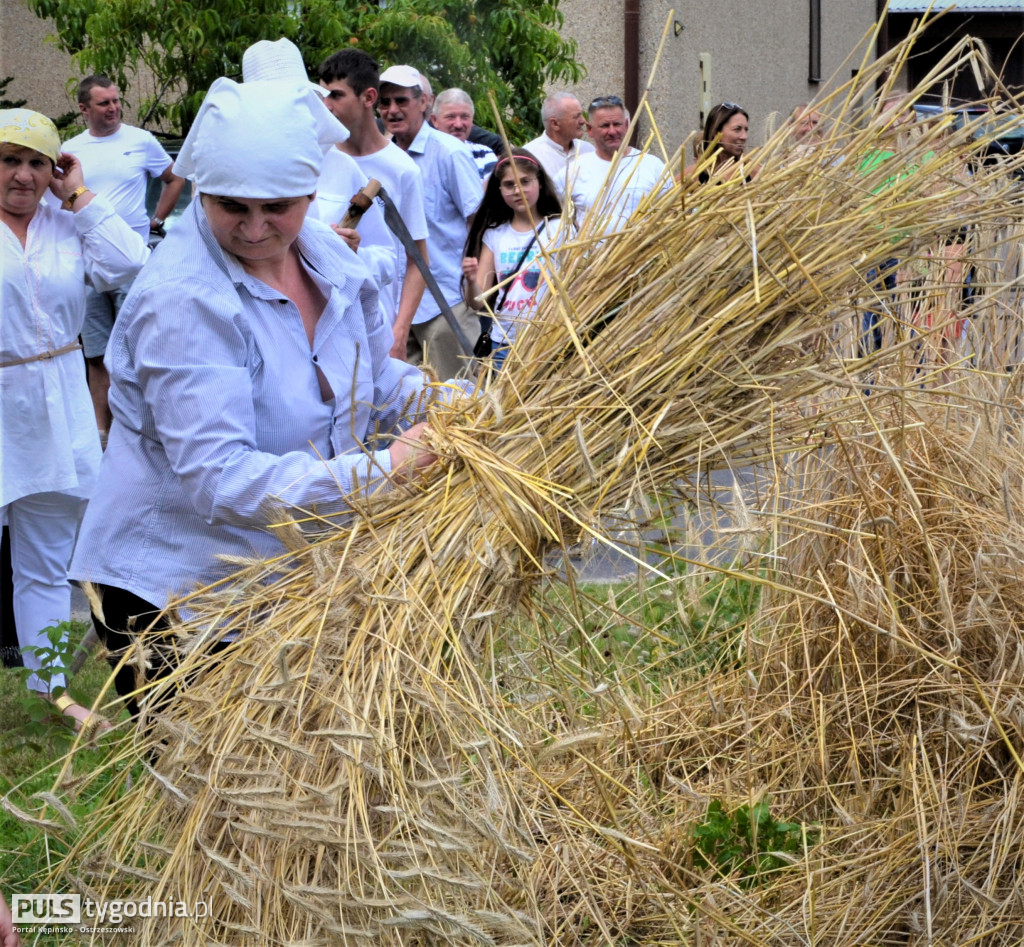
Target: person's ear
[369, 97]
[83, 108]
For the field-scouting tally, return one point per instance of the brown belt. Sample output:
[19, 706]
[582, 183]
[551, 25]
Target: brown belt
[42, 356]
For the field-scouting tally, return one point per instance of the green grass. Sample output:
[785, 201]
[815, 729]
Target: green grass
[648, 637]
[34, 739]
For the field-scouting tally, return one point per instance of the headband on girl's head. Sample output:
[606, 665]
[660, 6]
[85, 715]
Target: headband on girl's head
[516, 158]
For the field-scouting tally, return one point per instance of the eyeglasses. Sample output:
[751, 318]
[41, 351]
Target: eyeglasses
[733, 107]
[511, 185]
[604, 101]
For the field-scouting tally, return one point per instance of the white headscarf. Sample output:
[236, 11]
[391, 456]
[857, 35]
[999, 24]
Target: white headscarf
[279, 60]
[264, 139]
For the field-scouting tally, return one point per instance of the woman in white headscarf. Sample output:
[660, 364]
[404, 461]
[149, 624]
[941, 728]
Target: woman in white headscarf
[249, 368]
[49, 446]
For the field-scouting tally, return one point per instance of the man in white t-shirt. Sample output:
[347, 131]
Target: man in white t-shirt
[562, 142]
[452, 195]
[118, 161]
[597, 193]
[351, 78]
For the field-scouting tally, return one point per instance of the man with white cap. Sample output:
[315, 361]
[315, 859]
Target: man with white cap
[453, 193]
[340, 176]
[249, 372]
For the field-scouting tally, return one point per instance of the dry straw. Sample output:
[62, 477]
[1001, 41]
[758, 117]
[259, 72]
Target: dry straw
[382, 758]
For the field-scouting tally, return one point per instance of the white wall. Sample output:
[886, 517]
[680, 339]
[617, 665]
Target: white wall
[758, 48]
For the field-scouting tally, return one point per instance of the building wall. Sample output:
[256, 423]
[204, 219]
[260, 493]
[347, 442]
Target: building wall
[40, 70]
[758, 52]
[43, 75]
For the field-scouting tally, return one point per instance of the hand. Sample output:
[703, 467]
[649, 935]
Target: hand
[8, 936]
[398, 348]
[410, 453]
[470, 266]
[67, 177]
[350, 236]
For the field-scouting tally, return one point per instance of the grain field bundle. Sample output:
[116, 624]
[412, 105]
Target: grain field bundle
[872, 716]
[884, 703]
[350, 770]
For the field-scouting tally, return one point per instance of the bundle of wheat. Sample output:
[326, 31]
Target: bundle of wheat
[878, 705]
[350, 768]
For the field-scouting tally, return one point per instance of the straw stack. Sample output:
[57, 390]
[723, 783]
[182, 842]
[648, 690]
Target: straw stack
[352, 770]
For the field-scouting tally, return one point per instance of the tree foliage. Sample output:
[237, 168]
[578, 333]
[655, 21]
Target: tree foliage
[506, 48]
[6, 103]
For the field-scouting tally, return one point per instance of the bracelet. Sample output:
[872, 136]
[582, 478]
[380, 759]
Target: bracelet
[73, 196]
[159, 221]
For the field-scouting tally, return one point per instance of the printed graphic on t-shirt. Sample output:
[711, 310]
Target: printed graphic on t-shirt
[523, 287]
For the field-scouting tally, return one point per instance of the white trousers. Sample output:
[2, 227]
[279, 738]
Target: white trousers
[42, 527]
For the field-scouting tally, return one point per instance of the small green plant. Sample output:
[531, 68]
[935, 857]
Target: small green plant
[748, 844]
[34, 741]
[54, 659]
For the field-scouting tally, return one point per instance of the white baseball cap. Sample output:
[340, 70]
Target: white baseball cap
[406, 76]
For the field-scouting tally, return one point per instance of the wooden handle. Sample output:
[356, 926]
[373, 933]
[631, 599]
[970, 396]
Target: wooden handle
[360, 203]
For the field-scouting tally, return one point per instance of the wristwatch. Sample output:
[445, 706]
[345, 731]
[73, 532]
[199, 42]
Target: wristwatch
[73, 196]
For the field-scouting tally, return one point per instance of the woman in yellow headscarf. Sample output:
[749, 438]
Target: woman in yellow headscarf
[49, 445]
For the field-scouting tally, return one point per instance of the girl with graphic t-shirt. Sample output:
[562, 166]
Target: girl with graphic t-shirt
[519, 218]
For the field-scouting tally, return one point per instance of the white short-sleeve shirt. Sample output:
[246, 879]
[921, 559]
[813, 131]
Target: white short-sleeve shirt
[119, 167]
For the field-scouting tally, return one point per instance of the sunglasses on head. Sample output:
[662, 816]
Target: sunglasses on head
[604, 101]
[733, 107]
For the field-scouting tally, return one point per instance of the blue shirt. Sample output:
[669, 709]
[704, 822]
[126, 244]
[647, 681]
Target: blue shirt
[219, 419]
[451, 195]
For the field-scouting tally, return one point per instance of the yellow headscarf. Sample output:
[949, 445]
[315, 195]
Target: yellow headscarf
[30, 130]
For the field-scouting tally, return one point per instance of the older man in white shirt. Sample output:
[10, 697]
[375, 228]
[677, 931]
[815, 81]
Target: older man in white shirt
[452, 193]
[562, 142]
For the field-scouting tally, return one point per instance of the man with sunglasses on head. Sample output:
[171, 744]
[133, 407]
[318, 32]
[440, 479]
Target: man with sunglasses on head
[562, 142]
[452, 193]
[609, 183]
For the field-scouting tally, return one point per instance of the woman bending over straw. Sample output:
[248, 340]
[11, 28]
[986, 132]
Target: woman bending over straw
[249, 370]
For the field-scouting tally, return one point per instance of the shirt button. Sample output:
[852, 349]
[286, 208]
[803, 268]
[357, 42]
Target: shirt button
[314, 358]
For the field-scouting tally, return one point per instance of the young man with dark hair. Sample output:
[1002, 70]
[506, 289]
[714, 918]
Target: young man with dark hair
[351, 78]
